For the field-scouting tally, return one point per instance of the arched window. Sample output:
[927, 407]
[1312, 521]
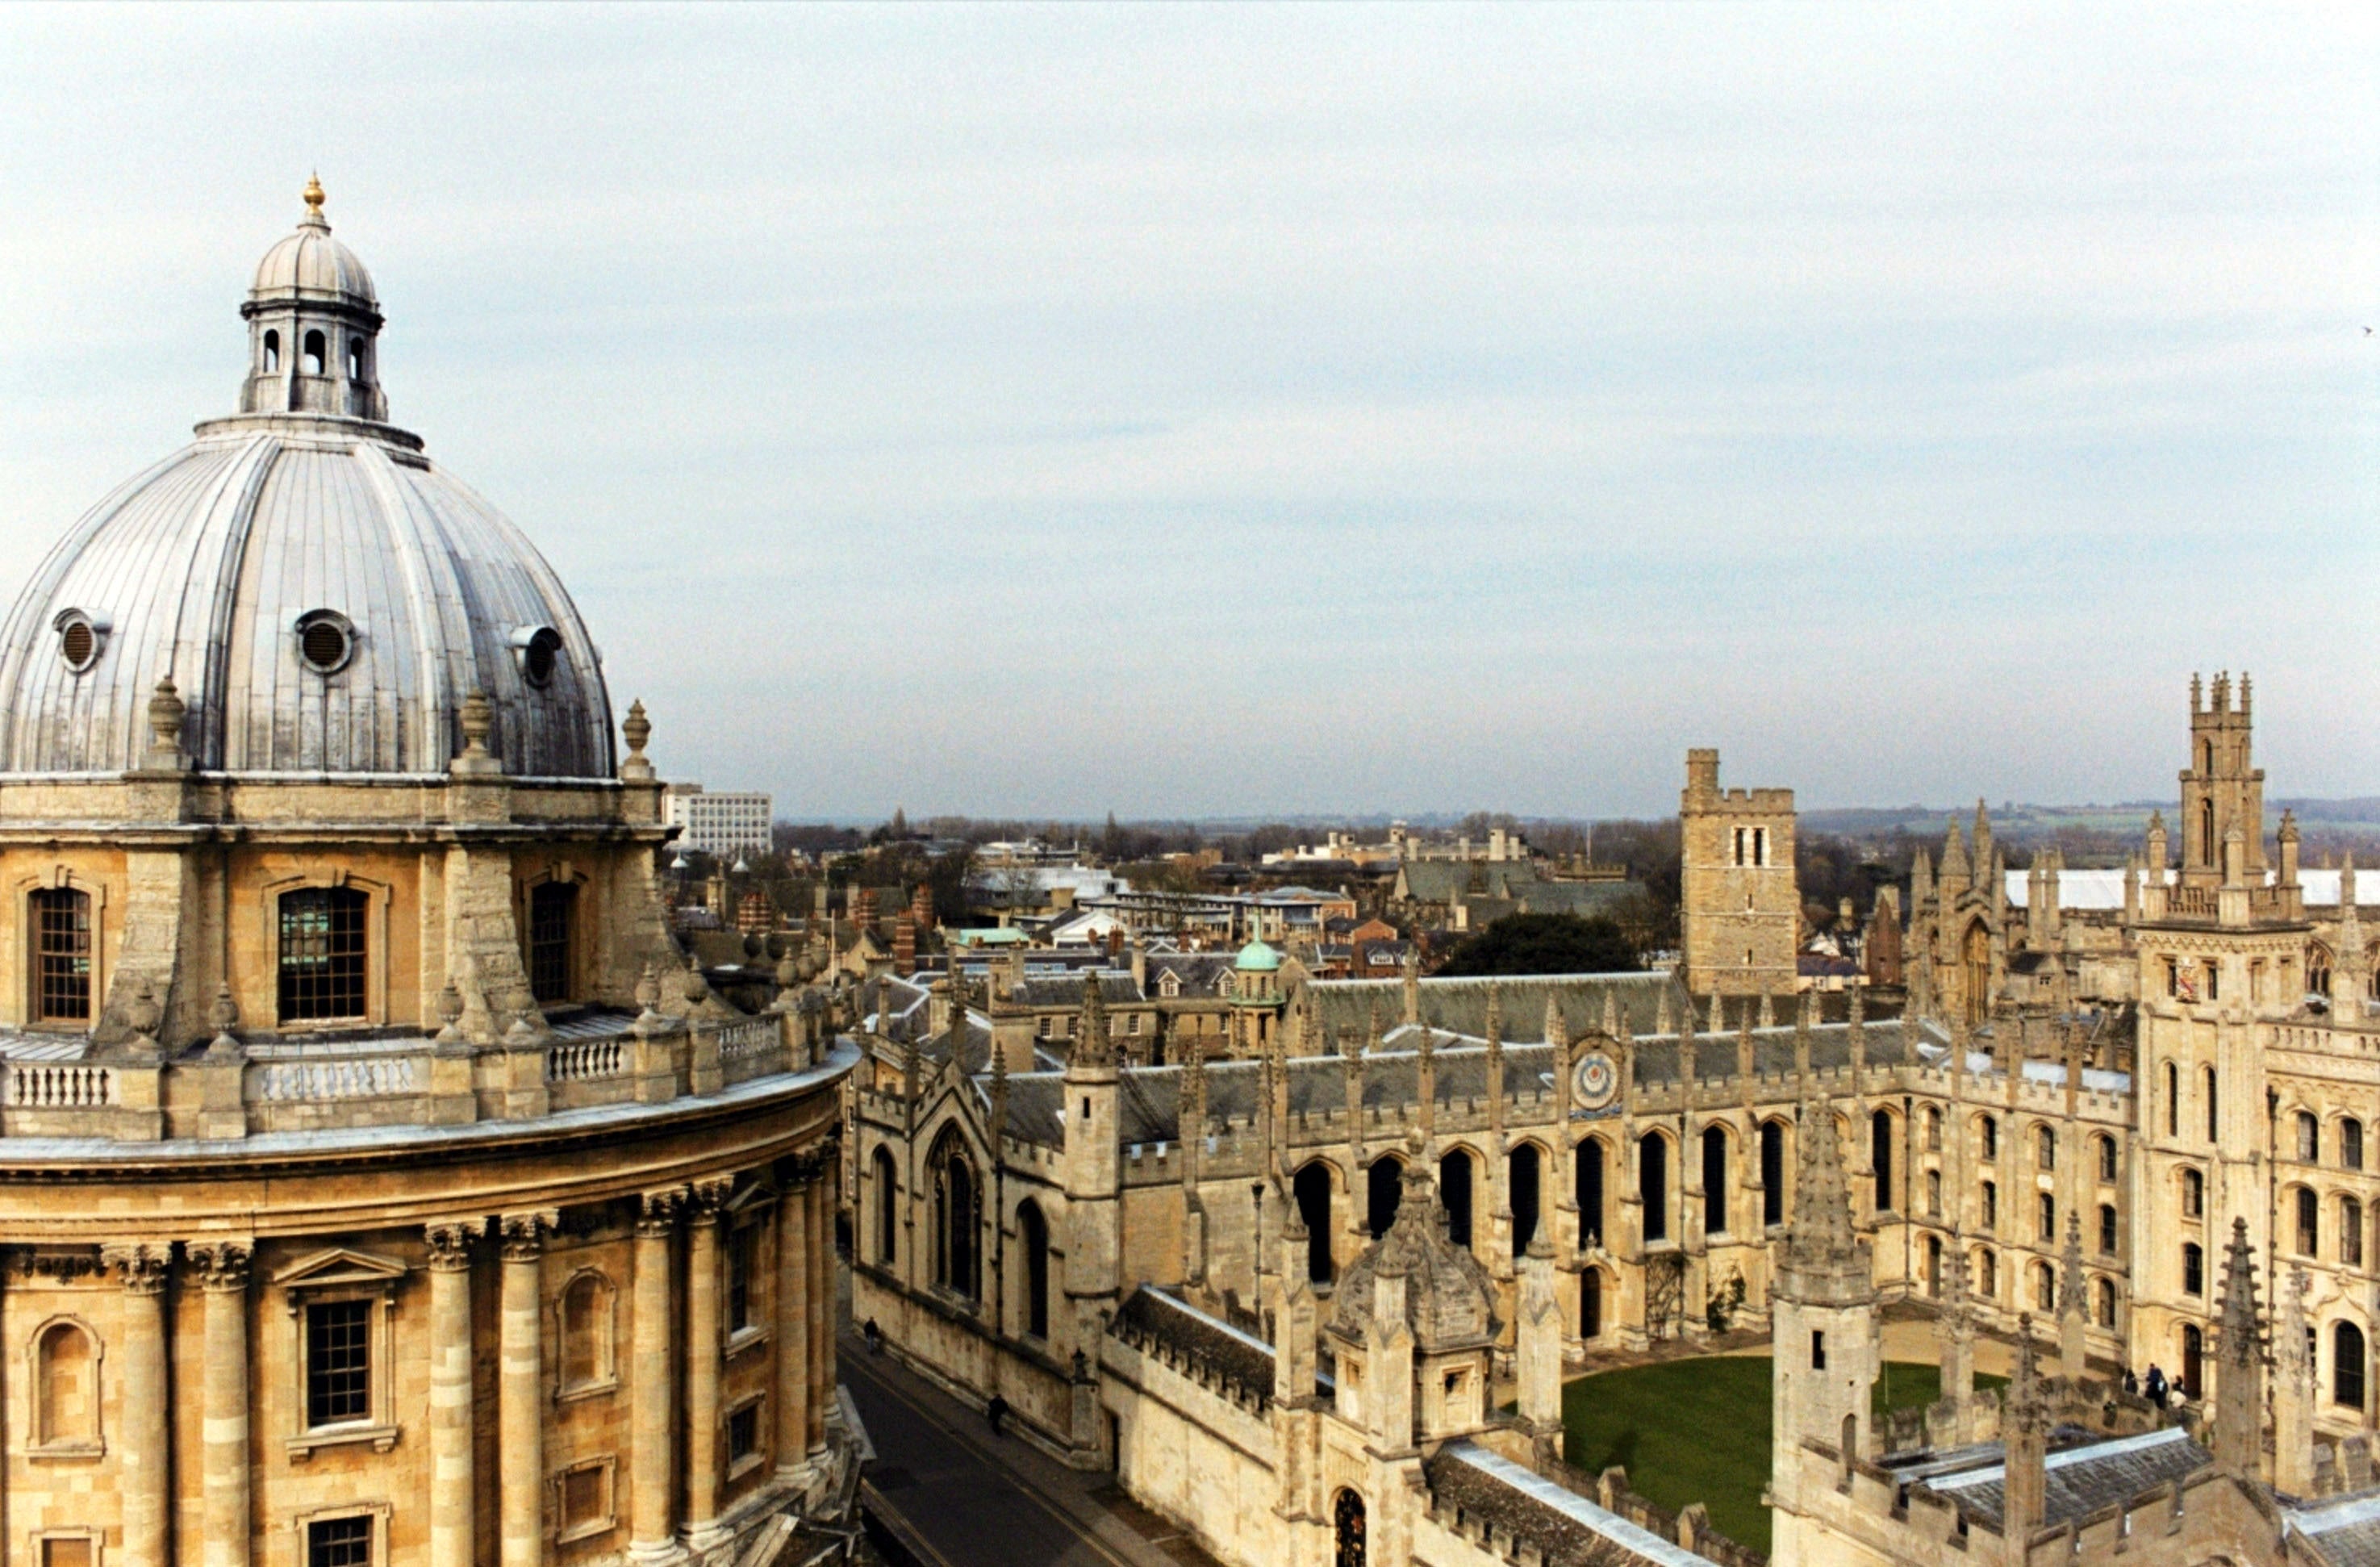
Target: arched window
[2347, 1366]
[1347, 1530]
[553, 907]
[2213, 851]
[2193, 1194]
[2350, 1143]
[2106, 1160]
[2103, 1300]
[1590, 1192]
[322, 954]
[586, 1343]
[1990, 1191]
[2193, 1268]
[887, 1207]
[66, 1379]
[317, 354]
[956, 1214]
[1454, 1190]
[1932, 1130]
[2317, 971]
[1384, 1189]
[2172, 1100]
[1879, 1145]
[1987, 1275]
[61, 920]
[1522, 1185]
[1652, 1185]
[2194, 1359]
[1772, 1173]
[355, 359]
[272, 352]
[1590, 1303]
[1311, 1188]
[1934, 1265]
[2351, 1233]
[1714, 1180]
[2045, 1288]
[1933, 1194]
[2309, 1139]
[2047, 1205]
[1987, 1132]
[2045, 1147]
[2213, 1121]
[2107, 1229]
[1033, 1233]
[2308, 1222]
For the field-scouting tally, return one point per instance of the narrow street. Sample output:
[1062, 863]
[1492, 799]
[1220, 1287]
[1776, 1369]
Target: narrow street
[955, 1496]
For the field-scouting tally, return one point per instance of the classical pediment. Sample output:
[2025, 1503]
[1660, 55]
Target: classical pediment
[339, 1267]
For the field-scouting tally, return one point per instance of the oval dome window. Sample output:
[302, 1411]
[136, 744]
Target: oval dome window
[326, 641]
[540, 647]
[80, 637]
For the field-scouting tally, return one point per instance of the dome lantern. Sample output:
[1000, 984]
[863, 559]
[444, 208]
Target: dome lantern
[313, 325]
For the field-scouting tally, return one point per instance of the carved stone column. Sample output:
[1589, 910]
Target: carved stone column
[454, 1523]
[520, 1413]
[702, 1345]
[145, 1465]
[820, 1306]
[652, 1516]
[794, 1322]
[223, 1270]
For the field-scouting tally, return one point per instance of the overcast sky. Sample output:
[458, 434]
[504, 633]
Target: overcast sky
[1182, 411]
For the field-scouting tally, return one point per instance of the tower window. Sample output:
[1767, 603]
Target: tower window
[2194, 1269]
[272, 352]
[322, 953]
[338, 1362]
[1817, 1349]
[339, 1542]
[316, 354]
[355, 359]
[61, 955]
[551, 906]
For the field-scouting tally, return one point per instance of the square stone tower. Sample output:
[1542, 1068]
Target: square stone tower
[1740, 907]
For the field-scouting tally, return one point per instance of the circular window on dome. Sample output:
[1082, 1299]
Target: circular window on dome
[326, 640]
[81, 636]
[539, 648]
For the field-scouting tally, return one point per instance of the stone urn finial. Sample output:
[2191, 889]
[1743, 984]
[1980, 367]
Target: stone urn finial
[224, 1016]
[648, 988]
[636, 729]
[166, 711]
[449, 1013]
[696, 989]
[479, 721]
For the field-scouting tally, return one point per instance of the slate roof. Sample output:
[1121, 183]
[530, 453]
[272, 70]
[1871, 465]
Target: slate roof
[1460, 1007]
[1150, 1318]
[1514, 882]
[1568, 1529]
[2083, 1478]
[2345, 1532]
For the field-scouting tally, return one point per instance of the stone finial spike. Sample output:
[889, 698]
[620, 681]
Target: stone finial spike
[1610, 1014]
[1495, 1016]
[1767, 1009]
[2240, 1344]
[1662, 1021]
[1821, 1238]
[1718, 1014]
[1557, 1028]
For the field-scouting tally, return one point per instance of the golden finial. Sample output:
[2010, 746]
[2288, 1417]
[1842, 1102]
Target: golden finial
[313, 194]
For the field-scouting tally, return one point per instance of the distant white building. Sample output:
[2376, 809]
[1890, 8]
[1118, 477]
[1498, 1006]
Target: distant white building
[719, 824]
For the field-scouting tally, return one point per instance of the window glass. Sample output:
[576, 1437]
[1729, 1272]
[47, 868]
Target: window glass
[339, 1542]
[61, 955]
[322, 953]
[338, 1362]
[551, 906]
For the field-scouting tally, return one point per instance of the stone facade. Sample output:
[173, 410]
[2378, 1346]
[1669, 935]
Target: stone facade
[1739, 908]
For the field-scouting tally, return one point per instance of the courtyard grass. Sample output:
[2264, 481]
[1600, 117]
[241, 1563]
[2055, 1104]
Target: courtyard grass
[1697, 1430]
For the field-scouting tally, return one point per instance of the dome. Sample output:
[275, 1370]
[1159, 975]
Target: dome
[324, 596]
[1450, 1299]
[310, 264]
[1257, 958]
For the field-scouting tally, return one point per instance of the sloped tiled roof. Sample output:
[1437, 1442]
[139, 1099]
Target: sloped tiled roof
[1150, 1318]
[1460, 1007]
[2083, 1479]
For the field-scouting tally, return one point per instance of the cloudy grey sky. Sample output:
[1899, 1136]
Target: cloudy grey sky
[1189, 411]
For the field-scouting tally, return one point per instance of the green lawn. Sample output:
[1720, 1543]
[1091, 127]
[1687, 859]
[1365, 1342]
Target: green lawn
[1697, 1430]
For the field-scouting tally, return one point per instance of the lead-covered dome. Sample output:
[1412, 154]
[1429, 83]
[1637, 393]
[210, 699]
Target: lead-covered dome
[324, 596]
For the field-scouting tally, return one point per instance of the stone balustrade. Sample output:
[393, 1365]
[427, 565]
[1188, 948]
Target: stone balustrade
[286, 1085]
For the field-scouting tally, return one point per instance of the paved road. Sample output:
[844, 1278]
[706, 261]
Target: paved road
[974, 1501]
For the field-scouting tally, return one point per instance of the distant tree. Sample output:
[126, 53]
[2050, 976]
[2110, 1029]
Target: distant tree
[1544, 943]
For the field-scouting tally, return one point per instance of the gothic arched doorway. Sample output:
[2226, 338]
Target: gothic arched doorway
[1347, 1522]
[2194, 1359]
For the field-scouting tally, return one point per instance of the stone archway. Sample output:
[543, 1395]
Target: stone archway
[1347, 1528]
